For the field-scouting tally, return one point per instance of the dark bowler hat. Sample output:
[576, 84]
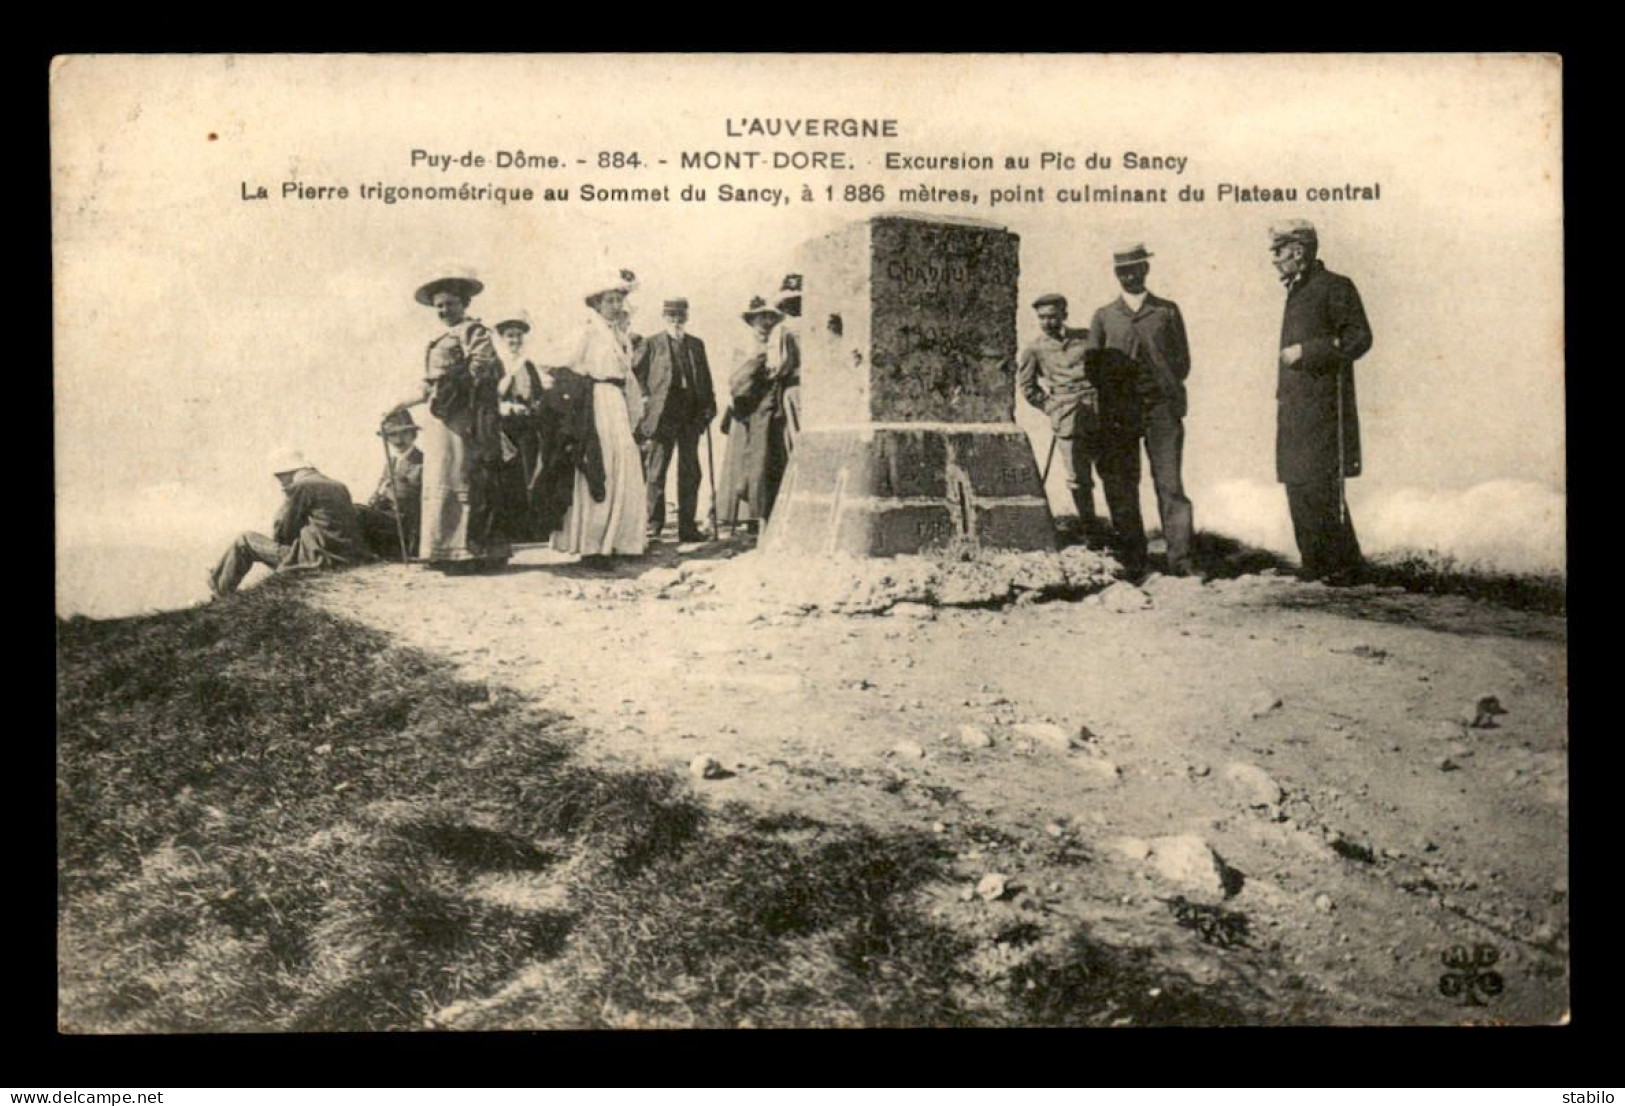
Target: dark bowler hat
[1292, 230]
[672, 307]
[457, 279]
[1132, 254]
[1051, 299]
[396, 421]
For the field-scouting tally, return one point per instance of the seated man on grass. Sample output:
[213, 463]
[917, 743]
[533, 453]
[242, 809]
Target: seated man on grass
[316, 528]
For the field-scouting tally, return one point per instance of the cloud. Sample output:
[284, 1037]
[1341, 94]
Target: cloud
[1509, 525]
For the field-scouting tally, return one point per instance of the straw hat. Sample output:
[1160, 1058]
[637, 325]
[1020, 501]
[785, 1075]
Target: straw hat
[758, 306]
[286, 460]
[456, 279]
[611, 280]
[519, 320]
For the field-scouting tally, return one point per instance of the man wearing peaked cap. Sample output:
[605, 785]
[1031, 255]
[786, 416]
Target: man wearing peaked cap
[1053, 375]
[1317, 431]
[680, 403]
[1146, 335]
[316, 527]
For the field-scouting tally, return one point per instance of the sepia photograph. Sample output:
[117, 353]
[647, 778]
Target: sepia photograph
[759, 541]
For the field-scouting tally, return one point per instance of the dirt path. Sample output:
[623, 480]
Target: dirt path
[1314, 739]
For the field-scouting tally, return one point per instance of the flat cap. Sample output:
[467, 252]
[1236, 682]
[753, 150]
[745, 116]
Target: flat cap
[1049, 299]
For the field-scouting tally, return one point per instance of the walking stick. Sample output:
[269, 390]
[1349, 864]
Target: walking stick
[1048, 461]
[1342, 503]
[711, 475]
[395, 494]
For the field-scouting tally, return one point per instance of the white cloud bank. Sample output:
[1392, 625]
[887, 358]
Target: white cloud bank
[1509, 525]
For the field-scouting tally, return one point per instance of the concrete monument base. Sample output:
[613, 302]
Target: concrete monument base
[880, 491]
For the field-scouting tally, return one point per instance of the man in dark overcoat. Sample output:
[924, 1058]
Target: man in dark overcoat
[679, 404]
[1317, 440]
[1150, 332]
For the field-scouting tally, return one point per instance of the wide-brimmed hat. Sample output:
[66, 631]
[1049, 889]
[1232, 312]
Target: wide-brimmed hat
[396, 421]
[286, 460]
[759, 306]
[517, 319]
[456, 279]
[790, 289]
[1132, 254]
[1292, 230]
[612, 280]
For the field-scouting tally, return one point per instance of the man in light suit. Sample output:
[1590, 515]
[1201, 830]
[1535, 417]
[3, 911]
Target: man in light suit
[672, 370]
[1149, 331]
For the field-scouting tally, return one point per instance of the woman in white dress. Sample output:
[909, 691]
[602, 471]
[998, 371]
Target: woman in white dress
[614, 525]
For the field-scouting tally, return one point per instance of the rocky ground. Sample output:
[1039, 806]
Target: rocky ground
[1249, 780]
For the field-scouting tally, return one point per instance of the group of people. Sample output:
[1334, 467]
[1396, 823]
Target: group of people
[1121, 383]
[575, 455]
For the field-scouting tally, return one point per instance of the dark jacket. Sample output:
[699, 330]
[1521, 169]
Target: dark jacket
[656, 368]
[572, 445]
[1154, 339]
[1323, 315]
[317, 523]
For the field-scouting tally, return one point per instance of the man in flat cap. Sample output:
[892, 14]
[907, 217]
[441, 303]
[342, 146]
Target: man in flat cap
[395, 510]
[1317, 439]
[1053, 375]
[1149, 332]
[675, 376]
[316, 528]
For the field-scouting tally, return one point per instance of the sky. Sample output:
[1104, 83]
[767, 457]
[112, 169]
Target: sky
[195, 331]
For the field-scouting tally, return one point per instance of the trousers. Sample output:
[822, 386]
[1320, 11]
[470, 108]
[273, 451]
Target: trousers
[1116, 457]
[1327, 544]
[1165, 448]
[657, 454]
[242, 555]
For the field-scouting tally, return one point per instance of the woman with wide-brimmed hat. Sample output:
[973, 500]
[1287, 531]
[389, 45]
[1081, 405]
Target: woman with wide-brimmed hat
[614, 524]
[755, 425]
[462, 440]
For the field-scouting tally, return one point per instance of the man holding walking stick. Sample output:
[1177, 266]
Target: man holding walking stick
[672, 369]
[1051, 375]
[1317, 442]
[390, 519]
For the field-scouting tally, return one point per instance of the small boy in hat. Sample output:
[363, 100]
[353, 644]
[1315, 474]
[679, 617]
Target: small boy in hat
[402, 478]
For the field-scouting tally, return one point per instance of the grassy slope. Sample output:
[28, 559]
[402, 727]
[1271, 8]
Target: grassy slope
[269, 818]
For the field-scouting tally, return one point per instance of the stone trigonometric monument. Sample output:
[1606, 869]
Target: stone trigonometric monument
[908, 439]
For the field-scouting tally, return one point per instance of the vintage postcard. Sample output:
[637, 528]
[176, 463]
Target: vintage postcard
[639, 541]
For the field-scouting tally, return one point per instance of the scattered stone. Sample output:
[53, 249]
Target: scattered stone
[1187, 860]
[1448, 765]
[910, 749]
[322, 750]
[1262, 701]
[705, 767]
[1047, 734]
[974, 737]
[1460, 751]
[1134, 849]
[1124, 598]
[939, 827]
[1099, 768]
[967, 895]
[1054, 829]
[1485, 712]
[1253, 784]
[1084, 735]
[1198, 770]
[1324, 904]
[992, 887]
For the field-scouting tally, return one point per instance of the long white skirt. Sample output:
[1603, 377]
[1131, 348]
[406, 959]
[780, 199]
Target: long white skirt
[617, 525]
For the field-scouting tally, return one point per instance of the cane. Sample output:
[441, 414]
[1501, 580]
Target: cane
[711, 475]
[395, 494]
[1342, 503]
[1043, 479]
